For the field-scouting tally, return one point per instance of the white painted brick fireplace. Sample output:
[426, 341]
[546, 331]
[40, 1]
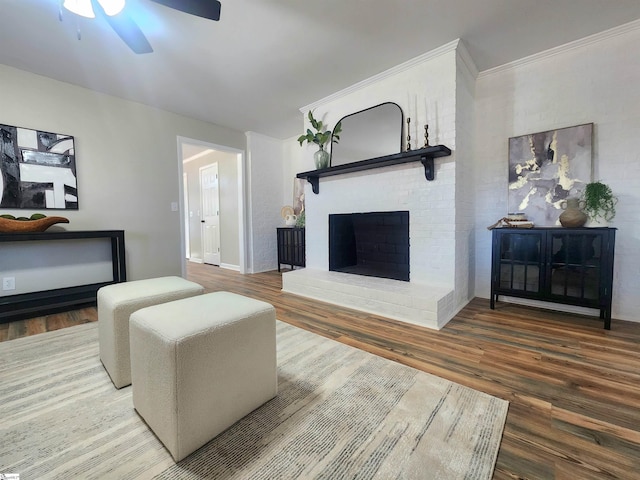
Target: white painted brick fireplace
[426, 90]
[427, 299]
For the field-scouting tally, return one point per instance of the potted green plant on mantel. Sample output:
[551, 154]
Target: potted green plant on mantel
[599, 203]
[320, 137]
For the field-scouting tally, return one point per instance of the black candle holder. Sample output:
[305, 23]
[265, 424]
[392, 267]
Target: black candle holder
[426, 135]
[408, 134]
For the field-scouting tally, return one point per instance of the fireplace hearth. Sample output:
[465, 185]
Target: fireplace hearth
[374, 244]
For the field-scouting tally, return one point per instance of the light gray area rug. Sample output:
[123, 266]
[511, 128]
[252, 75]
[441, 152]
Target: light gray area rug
[340, 413]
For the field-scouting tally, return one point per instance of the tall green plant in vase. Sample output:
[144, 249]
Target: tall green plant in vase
[599, 203]
[320, 138]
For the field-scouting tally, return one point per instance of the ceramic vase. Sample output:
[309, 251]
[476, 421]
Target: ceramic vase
[321, 157]
[572, 216]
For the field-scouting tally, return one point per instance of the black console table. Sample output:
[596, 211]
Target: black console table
[291, 246]
[572, 266]
[27, 305]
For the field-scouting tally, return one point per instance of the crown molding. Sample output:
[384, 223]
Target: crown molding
[430, 55]
[467, 61]
[567, 47]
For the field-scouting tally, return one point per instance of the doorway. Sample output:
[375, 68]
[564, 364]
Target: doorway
[225, 248]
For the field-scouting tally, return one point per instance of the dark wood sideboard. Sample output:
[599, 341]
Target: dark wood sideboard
[572, 266]
[27, 305]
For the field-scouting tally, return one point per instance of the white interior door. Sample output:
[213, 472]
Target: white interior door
[210, 220]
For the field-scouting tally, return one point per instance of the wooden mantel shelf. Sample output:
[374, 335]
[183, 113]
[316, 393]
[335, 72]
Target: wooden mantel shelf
[424, 155]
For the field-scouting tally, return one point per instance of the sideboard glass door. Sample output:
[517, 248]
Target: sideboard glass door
[576, 265]
[520, 256]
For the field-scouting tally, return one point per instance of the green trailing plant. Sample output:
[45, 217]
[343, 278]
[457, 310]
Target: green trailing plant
[599, 201]
[301, 220]
[320, 137]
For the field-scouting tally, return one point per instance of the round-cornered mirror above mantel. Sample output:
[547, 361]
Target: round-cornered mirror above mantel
[370, 133]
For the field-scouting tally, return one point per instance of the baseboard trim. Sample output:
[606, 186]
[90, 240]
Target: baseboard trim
[230, 266]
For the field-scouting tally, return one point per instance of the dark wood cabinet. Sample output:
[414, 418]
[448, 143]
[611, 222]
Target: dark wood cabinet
[291, 248]
[572, 266]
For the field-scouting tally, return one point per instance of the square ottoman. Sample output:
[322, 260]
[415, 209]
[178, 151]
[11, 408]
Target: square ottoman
[117, 302]
[200, 364]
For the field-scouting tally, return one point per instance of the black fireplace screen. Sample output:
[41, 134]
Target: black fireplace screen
[374, 244]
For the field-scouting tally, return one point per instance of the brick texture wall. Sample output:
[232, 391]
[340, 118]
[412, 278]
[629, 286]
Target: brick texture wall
[594, 80]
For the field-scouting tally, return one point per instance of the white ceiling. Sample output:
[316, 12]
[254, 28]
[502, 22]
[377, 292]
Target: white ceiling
[265, 59]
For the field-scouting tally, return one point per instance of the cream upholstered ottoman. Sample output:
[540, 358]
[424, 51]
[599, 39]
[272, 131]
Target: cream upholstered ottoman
[200, 364]
[117, 302]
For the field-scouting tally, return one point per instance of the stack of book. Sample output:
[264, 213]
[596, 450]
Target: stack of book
[513, 220]
[517, 223]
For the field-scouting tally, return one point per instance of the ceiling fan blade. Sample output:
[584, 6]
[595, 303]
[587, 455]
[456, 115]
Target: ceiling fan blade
[209, 9]
[127, 30]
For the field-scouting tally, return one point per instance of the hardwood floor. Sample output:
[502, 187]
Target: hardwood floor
[573, 387]
[24, 328]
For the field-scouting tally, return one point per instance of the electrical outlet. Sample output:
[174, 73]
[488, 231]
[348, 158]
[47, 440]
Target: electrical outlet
[8, 283]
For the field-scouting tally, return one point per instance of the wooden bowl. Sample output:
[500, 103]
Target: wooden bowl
[8, 225]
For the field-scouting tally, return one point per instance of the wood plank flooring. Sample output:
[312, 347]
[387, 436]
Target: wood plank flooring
[573, 387]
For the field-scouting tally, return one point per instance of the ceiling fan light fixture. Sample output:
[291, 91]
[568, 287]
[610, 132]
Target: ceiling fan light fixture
[80, 7]
[112, 7]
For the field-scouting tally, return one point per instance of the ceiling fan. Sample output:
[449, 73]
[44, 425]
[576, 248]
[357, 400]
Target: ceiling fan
[115, 13]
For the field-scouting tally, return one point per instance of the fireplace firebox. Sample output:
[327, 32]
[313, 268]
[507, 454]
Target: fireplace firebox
[374, 244]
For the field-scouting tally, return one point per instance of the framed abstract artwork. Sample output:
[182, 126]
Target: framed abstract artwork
[546, 168]
[37, 169]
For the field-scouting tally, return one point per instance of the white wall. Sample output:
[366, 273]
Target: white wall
[127, 162]
[43, 265]
[265, 182]
[464, 206]
[229, 211]
[293, 162]
[595, 80]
